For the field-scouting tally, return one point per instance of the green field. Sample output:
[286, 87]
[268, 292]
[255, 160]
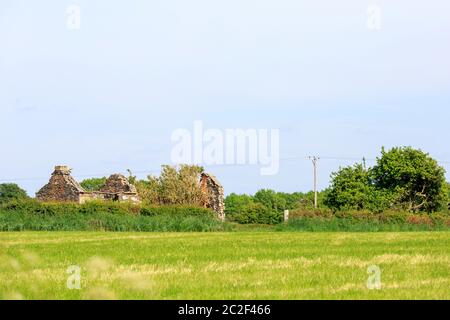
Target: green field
[233, 265]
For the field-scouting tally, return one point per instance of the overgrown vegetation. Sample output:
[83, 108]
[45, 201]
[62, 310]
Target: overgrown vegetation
[105, 216]
[10, 192]
[30, 215]
[174, 186]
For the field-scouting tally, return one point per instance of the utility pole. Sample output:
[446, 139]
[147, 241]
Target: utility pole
[314, 160]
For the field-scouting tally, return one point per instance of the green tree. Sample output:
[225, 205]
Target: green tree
[414, 180]
[293, 200]
[271, 200]
[350, 189]
[236, 203]
[148, 190]
[11, 191]
[93, 184]
[175, 185]
[180, 185]
[447, 201]
[306, 200]
[448, 192]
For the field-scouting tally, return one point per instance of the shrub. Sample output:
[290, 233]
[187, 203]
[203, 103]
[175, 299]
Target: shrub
[419, 219]
[55, 208]
[256, 213]
[311, 213]
[11, 191]
[109, 207]
[174, 186]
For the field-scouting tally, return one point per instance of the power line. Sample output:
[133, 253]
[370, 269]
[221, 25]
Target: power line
[344, 158]
[337, 158]
[90, 175]
[328, 158]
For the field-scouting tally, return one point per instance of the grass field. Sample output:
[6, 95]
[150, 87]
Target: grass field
[234, 265]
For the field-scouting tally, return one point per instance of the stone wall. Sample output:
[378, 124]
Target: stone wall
[214, 194]
[106, 196]
[89, 196]
[118, 183]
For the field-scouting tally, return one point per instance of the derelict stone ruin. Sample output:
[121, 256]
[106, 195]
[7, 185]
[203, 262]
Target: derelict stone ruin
[63, 187]
[214, 194]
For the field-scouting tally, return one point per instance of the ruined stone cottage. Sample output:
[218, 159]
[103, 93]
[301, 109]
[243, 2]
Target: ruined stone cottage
[63, 187]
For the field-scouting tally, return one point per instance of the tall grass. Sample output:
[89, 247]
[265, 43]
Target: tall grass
[353, 225]
[19, 221]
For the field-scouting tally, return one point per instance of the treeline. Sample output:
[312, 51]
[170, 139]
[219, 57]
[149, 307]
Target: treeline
[267, 206]
[403, 180]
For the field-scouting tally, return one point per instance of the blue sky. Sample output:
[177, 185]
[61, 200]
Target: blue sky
[107, 97]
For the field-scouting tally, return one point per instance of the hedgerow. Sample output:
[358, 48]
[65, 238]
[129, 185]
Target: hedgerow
[106, 216]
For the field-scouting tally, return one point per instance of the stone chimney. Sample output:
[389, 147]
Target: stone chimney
[62, 170]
